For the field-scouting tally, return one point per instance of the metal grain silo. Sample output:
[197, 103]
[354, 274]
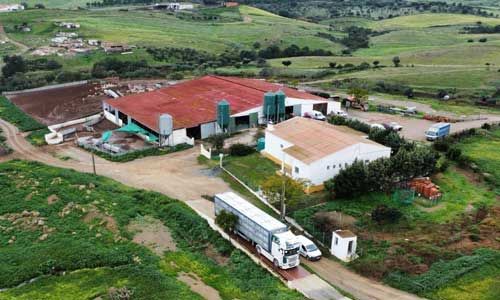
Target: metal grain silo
[223, 113]
[280, 103]
[166, 124]
[269, 107]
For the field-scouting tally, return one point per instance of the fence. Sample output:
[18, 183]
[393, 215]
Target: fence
[206, 153]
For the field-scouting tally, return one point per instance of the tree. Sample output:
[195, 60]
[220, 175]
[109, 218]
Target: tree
[226, 220]
[286, 63]
[359, 94]
[217, 141]
[256, 45]
[376, 63]
[396, 61]
[273, 189]
[332, 64]
[13, 64]
[350, 181]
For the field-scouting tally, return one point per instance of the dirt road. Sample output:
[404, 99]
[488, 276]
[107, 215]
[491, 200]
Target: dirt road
[179, 176]
[414, 128]
[22, 47]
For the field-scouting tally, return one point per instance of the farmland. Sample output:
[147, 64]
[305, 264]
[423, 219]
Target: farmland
[142, 28]
[74, 234]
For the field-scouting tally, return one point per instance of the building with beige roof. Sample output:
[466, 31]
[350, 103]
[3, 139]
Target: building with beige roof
[315, 151]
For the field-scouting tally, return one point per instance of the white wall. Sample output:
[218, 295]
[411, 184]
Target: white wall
[333, 106]
[329, 166]
[208, 129]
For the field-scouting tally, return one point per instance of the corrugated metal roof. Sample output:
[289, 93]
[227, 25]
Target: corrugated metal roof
[314, 139]
[252, 212]
[194, 102]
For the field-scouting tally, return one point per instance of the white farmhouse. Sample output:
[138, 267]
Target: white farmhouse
[11, 7]
[315, 151]
[344, 244]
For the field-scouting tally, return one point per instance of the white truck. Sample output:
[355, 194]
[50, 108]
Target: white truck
[272, 239]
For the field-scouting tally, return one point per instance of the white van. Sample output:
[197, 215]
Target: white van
[308, 249]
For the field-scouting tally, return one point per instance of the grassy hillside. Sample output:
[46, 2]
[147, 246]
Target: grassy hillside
[147, 28]
[51, 3]
[83, 236]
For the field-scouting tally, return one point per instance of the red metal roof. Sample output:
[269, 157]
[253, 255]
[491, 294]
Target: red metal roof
[194, 102]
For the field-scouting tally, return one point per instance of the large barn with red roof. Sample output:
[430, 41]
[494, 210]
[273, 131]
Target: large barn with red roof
[193, 106]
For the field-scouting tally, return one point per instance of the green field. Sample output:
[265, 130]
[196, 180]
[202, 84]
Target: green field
[484, 151]
[72, 232]
[51, 3]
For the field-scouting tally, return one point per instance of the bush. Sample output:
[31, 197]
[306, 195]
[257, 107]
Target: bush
[226, 220]
[442, 144]
[454, 153]
[486, 126]
[383, 214]
[241, 150]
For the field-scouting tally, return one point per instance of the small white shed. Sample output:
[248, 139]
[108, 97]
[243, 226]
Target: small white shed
[344, 244]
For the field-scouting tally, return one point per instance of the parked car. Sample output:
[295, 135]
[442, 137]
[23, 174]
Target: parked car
[308, 249]
[377, 126]
[340, 113]
[316, 115]
[393, 126]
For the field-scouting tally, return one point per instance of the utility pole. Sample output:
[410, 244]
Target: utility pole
[283, 212]
[93, 163]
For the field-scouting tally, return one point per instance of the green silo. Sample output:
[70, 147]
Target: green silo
[223, 114]
[280, 103]
[269, 106]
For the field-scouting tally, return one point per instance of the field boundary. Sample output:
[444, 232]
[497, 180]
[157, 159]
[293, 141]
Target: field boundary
[46, 88]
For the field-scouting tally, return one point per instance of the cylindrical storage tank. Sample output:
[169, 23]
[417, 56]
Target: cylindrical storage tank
[166, 124]
[269, 106]
[223, 113]
[280, 102]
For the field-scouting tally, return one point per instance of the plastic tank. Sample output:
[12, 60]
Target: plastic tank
[223, 113]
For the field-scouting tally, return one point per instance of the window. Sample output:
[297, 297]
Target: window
[281, 145]
[297, 170]
[346, 165]
[336, 241]
[334, 166]
[328, 167]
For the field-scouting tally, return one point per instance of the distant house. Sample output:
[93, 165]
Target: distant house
[68, 25]
[115, 48]
[231, 4]
[316, 151]
[10, 7]
[174, 6]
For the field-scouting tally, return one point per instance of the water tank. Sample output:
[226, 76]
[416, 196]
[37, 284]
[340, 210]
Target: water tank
[223, 113]
[280, 103]
[166, 124]
[269, 106]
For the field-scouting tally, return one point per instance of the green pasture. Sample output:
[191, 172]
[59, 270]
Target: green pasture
[431, 20]
[148, 28]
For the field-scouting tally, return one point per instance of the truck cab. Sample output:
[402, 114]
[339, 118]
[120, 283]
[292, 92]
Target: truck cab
[438, 130]
[285, 250]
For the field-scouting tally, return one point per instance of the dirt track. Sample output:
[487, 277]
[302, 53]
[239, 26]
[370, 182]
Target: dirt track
[178, 175]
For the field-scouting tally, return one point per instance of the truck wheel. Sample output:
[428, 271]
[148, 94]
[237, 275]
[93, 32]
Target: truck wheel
[275, 263]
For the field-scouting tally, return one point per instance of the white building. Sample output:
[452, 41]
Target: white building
[344, 244]
[10, 7]
[316, 151]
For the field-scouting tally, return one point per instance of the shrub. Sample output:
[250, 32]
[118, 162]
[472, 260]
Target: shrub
[454, 153]
[442, 144]
[241, 150]
[383, 214]
[226, 220]
[486, 126]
